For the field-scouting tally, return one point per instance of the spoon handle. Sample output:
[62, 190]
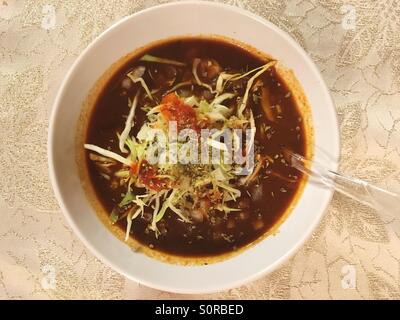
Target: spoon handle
[357, 189]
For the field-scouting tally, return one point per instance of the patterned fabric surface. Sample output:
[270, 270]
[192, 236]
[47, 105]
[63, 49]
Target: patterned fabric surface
[354, 253]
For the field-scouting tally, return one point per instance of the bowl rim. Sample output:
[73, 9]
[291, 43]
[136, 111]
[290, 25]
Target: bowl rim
[57, 192]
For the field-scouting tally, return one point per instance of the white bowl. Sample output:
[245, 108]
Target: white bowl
[138, 30]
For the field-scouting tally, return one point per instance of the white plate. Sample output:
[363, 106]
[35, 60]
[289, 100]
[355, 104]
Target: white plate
[140, 29]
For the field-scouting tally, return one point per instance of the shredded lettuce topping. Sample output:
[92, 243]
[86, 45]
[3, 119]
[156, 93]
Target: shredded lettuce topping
[182, 190]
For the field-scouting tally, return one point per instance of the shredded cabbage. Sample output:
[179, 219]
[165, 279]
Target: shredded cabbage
[192, 101]
[122, 174]
[135, 78]
[128, 124]
[226, 209]
[179, 85]
[218, 100]
[129, 218]
[240, 76]
[169, 203]
[146, 133]
[215, 112]
[232, 77]
[108, 153]
[217, 144]
[235, 141]
[219, 175]
[196, 63]
[253, 132]
[156, 209]
[127, 199]
[235, 193]
[128, 224]
[220, 85]
[154, 110]
[249, 85]
[178, 212]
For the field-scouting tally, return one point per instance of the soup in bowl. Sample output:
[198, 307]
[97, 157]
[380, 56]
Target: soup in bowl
[185, 145]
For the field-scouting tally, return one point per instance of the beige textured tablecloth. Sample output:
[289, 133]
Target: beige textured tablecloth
[353, 253]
